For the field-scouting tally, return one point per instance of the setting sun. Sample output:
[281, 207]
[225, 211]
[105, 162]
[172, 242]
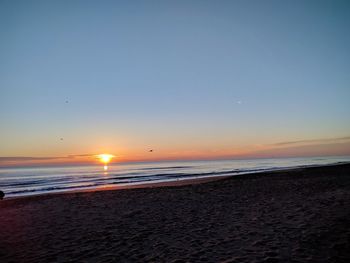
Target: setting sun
[105, 158]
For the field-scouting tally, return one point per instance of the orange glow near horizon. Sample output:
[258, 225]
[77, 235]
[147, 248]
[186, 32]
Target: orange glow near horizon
[180, 153]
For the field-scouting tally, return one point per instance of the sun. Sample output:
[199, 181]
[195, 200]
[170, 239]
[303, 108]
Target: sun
[105, 157]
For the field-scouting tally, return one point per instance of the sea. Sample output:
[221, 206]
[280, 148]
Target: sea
[24, 181]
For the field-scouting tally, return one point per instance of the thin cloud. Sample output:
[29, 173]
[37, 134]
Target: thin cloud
[30, 158]
[312, 141]
[25, 158]
[81, 155]
[318, 149]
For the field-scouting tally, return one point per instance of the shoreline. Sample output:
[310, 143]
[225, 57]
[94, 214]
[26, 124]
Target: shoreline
[172, 183]
[178, 183]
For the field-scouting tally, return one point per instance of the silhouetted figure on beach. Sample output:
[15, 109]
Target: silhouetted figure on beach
[2, 195]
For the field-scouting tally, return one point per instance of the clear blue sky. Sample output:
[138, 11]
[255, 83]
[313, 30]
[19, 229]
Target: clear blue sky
[179, 76]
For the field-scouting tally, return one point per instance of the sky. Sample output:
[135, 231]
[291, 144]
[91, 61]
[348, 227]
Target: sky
[187, 79]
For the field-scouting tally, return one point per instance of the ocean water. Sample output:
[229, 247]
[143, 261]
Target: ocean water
[39, 180]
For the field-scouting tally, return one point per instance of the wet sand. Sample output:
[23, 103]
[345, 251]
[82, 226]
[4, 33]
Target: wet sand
[291, 216]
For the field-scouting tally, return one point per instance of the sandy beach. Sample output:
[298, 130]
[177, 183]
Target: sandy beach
[290, 216]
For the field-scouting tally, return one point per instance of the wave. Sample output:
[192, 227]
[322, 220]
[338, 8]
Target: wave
[165, 168]
[46, 186]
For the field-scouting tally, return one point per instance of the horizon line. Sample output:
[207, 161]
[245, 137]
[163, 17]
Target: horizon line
[43, 165]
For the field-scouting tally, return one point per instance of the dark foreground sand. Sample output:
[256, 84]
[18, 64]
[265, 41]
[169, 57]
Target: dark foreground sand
[296, 216]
